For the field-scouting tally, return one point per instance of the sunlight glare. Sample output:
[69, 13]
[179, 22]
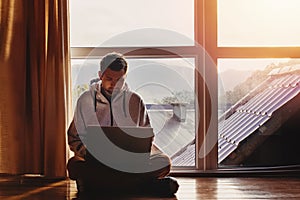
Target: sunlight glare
[259, 23]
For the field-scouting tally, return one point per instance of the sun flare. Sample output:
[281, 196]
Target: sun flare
[259, 22]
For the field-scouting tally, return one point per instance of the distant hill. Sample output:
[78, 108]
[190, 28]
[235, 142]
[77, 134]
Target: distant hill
[231, 78]
[152, 80]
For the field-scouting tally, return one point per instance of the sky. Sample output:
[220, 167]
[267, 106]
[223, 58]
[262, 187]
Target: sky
[240, 22]
[247, 64]
[96, 21]
[258, 22]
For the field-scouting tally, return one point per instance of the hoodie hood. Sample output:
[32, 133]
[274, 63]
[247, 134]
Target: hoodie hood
[95, 89]
[97, 95]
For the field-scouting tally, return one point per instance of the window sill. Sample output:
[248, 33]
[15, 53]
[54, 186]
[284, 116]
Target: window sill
[282, 171]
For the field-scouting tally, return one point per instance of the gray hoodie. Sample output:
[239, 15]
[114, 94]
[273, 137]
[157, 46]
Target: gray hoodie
[93, 108]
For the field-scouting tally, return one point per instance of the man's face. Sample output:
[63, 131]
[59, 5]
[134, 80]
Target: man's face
[112, 81]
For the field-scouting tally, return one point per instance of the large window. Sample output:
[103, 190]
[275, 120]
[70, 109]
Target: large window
[215, 53]
[163, 75]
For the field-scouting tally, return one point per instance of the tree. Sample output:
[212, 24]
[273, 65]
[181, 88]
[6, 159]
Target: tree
[179, 97]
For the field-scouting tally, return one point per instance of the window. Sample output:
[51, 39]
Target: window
[257, 131]
[258, 70]
[207, 36]
[157, 38]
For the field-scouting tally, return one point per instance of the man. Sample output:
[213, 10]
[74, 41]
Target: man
[110, 102]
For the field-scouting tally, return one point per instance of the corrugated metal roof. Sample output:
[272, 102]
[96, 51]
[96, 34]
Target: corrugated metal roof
[254, 113]
[250, 116]
[171, 135]
[187, 158]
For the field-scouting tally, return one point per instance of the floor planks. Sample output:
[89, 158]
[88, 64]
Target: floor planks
[14, 188]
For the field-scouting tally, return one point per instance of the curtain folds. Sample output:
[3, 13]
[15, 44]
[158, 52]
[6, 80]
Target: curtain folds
[35, 81]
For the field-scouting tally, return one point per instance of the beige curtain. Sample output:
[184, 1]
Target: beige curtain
[34, 81]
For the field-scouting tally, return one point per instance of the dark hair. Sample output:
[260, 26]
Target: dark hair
[114, 61]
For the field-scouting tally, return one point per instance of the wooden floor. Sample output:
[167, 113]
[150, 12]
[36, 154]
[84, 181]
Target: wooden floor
[190, 189]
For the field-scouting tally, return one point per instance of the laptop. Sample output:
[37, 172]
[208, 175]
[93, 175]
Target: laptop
[119, 145]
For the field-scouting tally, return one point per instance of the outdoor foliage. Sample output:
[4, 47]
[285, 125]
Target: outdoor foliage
[178, 97]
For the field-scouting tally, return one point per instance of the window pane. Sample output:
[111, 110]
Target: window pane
[258, 23]
[170, 105]
[259, 112]
[131, 23]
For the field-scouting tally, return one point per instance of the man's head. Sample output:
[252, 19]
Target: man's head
[113, 68]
